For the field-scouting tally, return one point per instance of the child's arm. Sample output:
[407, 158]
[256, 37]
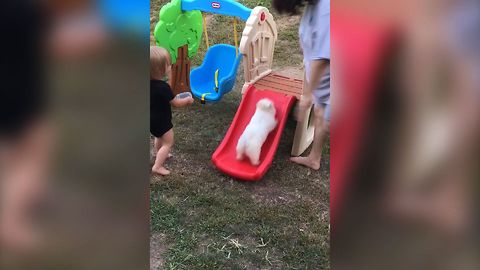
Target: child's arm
[181, 102]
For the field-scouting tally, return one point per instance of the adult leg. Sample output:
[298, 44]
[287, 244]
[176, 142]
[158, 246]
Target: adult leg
[162, 154]
[321, 130]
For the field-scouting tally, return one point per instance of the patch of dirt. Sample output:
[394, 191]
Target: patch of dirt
[272, 194]
[208, 18]
[284, 22]
[293, 72]
[157, 248]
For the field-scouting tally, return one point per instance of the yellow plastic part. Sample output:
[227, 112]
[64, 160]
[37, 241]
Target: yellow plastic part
[203, 97]
[205, 30]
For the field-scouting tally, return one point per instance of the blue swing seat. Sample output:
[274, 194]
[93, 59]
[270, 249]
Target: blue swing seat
[221, 57]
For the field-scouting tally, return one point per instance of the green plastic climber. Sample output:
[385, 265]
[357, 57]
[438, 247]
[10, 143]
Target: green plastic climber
[177, 28]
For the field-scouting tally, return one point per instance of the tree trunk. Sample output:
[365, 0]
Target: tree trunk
[180, 80]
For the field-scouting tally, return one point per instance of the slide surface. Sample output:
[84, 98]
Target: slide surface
[224, 157]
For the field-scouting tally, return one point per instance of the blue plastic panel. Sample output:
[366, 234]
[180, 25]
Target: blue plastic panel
[126, 16]
[223, 7]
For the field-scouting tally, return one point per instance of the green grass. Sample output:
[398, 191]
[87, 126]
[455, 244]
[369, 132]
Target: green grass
[208, 220]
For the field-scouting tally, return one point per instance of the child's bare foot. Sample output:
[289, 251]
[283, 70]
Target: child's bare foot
[160, 171]
[307, 162]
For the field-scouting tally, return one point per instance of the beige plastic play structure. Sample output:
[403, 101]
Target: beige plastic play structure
[257, 47]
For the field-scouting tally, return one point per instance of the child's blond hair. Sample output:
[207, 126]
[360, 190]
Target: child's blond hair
[159, 61]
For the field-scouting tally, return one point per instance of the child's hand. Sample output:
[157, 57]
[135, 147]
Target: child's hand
[180, 101]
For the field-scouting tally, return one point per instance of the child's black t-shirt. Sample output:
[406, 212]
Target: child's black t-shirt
[160, 108]
[23, 97]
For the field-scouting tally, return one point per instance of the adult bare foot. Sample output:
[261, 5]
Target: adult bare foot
[154, 155]
[161, 171]
[307, 162]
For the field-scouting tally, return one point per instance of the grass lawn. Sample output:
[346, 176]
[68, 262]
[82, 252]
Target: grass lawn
[202, 219]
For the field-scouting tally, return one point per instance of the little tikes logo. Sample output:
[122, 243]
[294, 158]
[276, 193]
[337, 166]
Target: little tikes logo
[215, 5]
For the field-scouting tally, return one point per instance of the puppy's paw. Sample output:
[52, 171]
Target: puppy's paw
[240, 156]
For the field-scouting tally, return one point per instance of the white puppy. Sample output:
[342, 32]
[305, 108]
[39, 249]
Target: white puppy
[256, 132]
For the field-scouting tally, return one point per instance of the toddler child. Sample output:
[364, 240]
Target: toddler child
[161, 99]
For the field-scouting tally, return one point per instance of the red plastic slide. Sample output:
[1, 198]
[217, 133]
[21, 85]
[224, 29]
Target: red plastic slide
[224, 157]
[362, 46]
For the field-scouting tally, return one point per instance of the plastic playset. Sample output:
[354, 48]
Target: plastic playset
[180, 29]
